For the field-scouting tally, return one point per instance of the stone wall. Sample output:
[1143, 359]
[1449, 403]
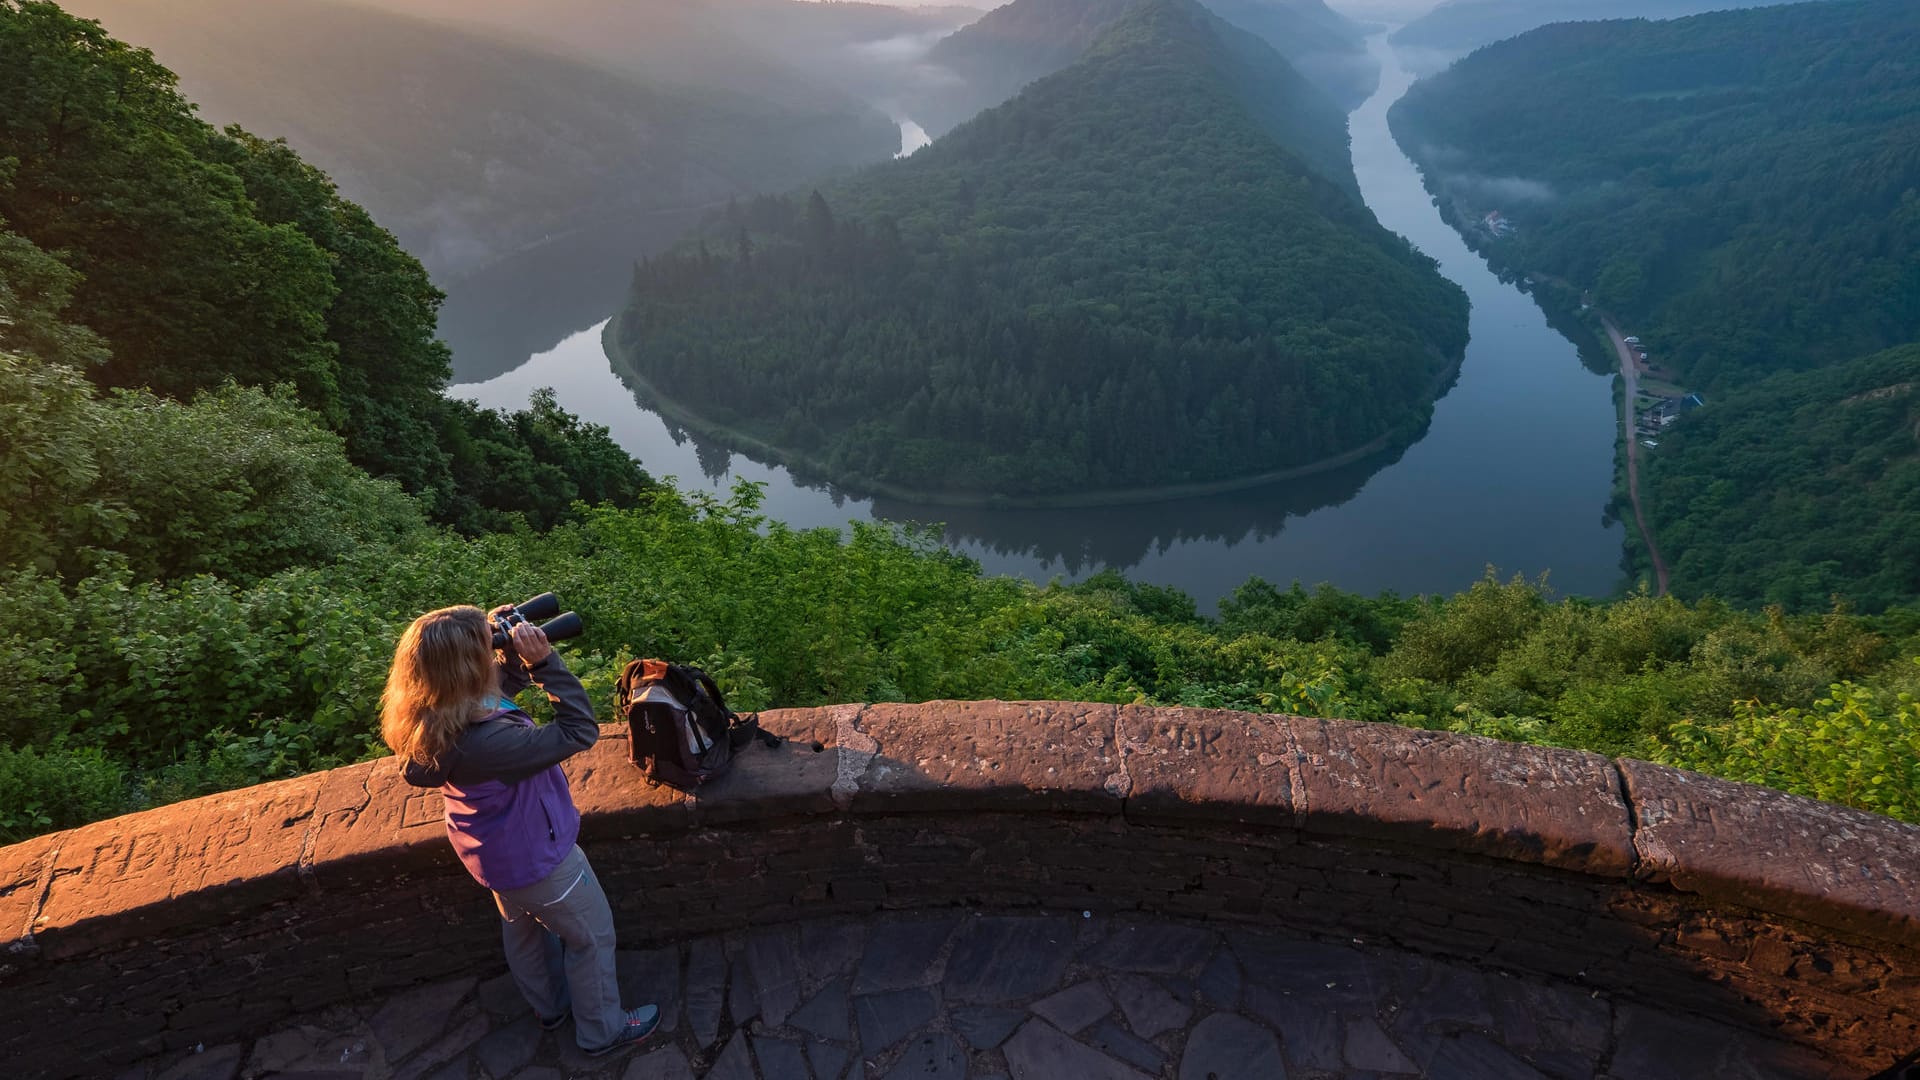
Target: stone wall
[212, 919]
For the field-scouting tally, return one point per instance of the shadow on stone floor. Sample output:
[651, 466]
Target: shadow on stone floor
[946, 995]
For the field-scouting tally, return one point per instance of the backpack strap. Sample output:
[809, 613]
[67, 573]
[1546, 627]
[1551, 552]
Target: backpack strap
[740, 729]
[623, 690]
[705, 682]
[747, 728]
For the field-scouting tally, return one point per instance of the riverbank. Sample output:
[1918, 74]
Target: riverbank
[1630, 388]
[1516, 468]
[804, 467]
[1600, 343]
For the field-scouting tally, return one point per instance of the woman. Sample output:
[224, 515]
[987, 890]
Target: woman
[448, 712]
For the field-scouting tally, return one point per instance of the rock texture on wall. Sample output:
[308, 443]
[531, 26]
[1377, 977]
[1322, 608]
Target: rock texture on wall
[206, 920]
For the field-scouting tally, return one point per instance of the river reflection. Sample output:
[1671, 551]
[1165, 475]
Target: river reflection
[1515, 470]
[1081, 542]
[494, 319]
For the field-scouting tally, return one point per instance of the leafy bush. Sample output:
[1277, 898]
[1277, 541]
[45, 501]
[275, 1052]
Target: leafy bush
[196, 685]
[56, 788]
[239, 482]
[1856, 746]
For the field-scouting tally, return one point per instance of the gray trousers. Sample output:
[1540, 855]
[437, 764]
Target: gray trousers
[559, 939]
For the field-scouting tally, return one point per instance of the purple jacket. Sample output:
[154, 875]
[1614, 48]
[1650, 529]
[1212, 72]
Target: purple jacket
[510, 813]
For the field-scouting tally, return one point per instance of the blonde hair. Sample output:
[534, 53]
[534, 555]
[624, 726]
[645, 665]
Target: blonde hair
[442, 674]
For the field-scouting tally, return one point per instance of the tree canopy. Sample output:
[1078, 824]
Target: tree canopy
[992, 58]
[1146, 270]
[1742, 191]
[157, 253]
[1461, 26]
[200, 591]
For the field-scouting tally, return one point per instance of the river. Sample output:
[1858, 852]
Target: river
[1514, 471]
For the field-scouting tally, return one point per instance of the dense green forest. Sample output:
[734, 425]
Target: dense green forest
[991, 59]
[470, 140]
[1746, 512]
[199, 589]
[159, 253]
[1147, 270]
[1741, 190]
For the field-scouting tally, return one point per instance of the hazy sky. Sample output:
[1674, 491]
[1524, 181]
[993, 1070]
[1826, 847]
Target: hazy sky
[1396, 11]
[1384, 10]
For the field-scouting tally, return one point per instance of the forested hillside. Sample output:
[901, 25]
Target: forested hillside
[1147, 270]
[991, 59]
[199, 589]
[152, 251]
[1457, 27]
[1742, 190]
[1797, 488]
[469, 146]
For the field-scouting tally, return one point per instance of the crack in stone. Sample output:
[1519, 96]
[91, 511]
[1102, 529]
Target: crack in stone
[1625, 791]
[1120, 784]
[1611, 1049]
[854, 749]
[25, 944]
[1296, 775]
[316, 818]
[303, 866]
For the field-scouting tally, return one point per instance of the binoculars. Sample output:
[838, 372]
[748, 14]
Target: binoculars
[543, 611]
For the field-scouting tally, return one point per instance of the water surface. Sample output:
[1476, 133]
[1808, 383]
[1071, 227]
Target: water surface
[1514, 472]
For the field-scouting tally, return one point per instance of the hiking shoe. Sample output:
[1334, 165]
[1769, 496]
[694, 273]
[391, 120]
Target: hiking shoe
[552, 1023]
[640, 1024]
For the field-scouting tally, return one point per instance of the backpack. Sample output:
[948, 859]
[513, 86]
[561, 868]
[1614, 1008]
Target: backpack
[679, 727]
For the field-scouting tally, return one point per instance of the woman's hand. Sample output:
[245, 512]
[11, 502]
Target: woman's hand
[530, 642]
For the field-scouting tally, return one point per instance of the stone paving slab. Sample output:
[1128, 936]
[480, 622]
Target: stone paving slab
[946, 995]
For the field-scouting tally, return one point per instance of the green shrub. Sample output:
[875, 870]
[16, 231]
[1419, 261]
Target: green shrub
[56, 788]
[202, 684]
[1855, 746]
[240, 483]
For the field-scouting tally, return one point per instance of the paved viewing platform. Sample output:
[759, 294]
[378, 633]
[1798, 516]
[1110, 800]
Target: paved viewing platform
[949, 995]
[1029, 890]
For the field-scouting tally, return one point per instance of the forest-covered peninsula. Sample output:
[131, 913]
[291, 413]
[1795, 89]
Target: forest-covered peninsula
[992, 58]
[201, 580]
[1149, 270]
[1740, 191]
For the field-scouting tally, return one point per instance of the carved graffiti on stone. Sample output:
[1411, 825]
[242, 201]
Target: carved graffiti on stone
[424, 808]
[1193, 740]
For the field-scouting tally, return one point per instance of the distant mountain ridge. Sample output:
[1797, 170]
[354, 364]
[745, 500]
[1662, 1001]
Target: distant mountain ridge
[817, 55]
[1457, 27]
[1119, 280]
[990, 60]
[469, 146]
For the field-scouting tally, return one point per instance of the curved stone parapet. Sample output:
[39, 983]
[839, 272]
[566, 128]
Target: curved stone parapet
[207, 920]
